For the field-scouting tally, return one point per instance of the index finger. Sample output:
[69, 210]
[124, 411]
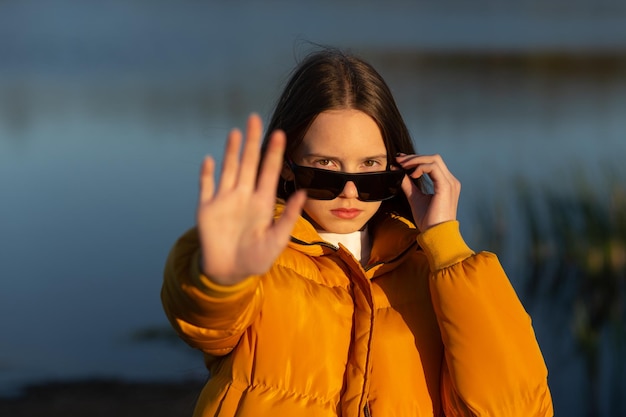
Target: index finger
[250, 156]
[272, 163]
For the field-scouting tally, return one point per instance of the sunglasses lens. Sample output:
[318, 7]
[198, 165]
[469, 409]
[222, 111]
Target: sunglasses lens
[379, 186]
[322, 184]
[319, 184]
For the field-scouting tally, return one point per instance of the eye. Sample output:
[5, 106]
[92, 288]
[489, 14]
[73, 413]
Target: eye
[371, 163]
[322, 162]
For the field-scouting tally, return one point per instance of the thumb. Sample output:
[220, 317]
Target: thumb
[418, 200]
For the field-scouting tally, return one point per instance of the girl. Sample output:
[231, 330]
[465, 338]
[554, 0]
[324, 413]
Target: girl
[322, 280]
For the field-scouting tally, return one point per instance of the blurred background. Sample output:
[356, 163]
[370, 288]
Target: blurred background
[107, 109]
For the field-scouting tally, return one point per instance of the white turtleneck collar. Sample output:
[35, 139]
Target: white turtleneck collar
[358, 242]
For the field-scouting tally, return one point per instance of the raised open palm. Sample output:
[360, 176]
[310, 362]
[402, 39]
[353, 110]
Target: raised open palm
[238, 234]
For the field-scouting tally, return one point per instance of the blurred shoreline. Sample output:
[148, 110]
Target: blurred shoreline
[104, 397]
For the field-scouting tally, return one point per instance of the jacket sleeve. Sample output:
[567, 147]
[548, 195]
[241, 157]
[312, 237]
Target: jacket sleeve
[206, 315]
[493, 365]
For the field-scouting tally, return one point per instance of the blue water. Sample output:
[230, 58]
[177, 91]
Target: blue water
[107, 110]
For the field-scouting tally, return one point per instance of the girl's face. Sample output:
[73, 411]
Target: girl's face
[349, 141]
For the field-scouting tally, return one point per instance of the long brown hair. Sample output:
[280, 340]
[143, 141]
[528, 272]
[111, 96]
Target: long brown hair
[331, 79]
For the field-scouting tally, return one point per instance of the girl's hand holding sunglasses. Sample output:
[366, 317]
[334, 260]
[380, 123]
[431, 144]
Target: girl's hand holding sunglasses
[430, 210]
[235, 219]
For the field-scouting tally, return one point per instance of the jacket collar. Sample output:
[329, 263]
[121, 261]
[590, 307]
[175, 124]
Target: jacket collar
[392, 235]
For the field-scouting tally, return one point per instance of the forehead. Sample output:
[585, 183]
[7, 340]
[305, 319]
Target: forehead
[343, 133]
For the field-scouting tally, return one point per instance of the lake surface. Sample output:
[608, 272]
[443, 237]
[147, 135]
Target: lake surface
[98, 177]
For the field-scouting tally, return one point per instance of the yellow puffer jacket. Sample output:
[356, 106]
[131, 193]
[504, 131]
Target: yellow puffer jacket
[428, 328]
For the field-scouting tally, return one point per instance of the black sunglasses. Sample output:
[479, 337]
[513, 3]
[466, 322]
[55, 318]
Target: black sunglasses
[324, 184]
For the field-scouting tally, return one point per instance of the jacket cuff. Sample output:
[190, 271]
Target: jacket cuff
[443, 245]
[215, 290]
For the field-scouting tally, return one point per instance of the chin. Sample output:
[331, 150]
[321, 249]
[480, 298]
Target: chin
[343, 227]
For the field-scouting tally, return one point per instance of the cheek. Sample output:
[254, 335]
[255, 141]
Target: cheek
[372, 208]
[315, 208]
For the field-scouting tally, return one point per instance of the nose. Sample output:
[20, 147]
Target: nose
[349, 190]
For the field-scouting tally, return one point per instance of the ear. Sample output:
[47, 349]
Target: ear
[286, 173]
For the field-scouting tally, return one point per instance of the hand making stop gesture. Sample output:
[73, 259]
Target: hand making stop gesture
[238, 234]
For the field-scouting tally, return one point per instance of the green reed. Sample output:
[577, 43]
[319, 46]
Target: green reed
[574, 247]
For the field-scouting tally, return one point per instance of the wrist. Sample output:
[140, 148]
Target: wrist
[216, 277]
[443, 245]
[216, 286]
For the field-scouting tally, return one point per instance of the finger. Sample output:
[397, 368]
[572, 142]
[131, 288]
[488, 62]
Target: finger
[272, 163]
[409, 162]
[433, 165]
[250, 156]
[230, 165]
[408, 186]
[412, 160]
[207, 180]
[291, 213]
[422, 169]
[443, 182]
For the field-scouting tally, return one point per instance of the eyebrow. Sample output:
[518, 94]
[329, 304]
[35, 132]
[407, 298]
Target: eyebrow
[367, 158]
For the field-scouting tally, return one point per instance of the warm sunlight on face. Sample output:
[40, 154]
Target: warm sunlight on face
[342, 140]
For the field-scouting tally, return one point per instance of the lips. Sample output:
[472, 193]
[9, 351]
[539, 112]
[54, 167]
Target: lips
[346, 213]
